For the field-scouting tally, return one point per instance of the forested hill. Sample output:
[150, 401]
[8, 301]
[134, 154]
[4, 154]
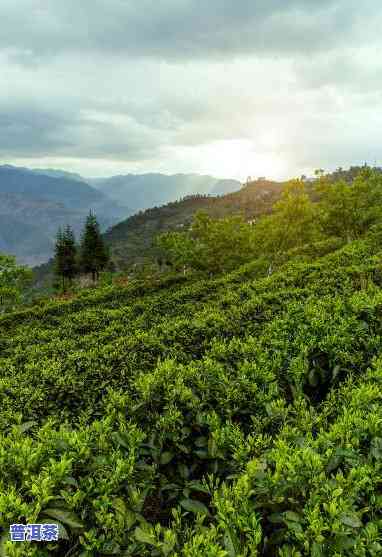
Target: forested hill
[132, 241]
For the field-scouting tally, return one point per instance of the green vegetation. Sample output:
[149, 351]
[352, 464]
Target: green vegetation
[301, 217]
[65, 257]
[93, 255]
[227, 416]
[294, 222]
[349, 209]
[13, 280]
[210, 245]
[133, 242]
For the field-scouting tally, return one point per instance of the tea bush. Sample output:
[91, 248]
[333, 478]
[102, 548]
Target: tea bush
[227, 417]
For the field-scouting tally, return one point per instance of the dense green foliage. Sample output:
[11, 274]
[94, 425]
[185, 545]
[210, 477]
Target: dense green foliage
[294, 222]
[93, 252]
[65, 256]
[234, 416]
[217, 245]
[132, 243]
[91, 257]
[13, 280]
[302, 216]
[210, 245]
[349, 209]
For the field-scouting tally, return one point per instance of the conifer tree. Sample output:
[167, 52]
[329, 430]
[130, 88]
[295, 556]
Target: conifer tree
[93, 252]
[65, 255]
[59, 256]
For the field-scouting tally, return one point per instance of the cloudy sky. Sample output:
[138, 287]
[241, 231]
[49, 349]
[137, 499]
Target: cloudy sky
[227, 87]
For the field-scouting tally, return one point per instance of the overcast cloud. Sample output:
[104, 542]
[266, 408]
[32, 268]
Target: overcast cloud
[274, 87]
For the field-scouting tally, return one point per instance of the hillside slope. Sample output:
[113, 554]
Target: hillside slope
[254, 401]
[133, 241]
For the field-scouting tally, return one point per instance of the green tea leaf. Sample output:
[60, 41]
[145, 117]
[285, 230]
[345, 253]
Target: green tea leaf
[351, 520]
[166, 457]
[66, 517]
[144, 537]
[194, 506]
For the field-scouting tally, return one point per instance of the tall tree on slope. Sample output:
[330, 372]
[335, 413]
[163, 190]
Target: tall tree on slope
[94, 255]
[65, 255]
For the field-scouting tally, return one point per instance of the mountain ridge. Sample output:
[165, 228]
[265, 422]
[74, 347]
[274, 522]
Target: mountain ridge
[143, 191]
[33, 206]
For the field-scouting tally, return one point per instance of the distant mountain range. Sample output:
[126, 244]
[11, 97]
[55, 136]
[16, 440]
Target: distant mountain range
[33, 206]
[34, 203]
[143, 191]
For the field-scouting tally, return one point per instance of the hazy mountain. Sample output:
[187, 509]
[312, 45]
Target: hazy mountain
[34, 205]
[33, 185]
[142, 191]
[26, 240]
[35, 202]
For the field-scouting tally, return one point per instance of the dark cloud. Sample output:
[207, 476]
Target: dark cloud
[174, 29]
[27, 131]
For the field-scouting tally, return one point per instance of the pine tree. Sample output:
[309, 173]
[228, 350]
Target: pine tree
[93, 253]
[65, 255]
[59, 256]
[70, 251]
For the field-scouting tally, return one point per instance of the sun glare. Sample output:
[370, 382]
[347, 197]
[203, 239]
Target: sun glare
[237, 158]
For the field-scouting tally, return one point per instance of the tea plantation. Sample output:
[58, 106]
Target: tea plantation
[224, 417]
